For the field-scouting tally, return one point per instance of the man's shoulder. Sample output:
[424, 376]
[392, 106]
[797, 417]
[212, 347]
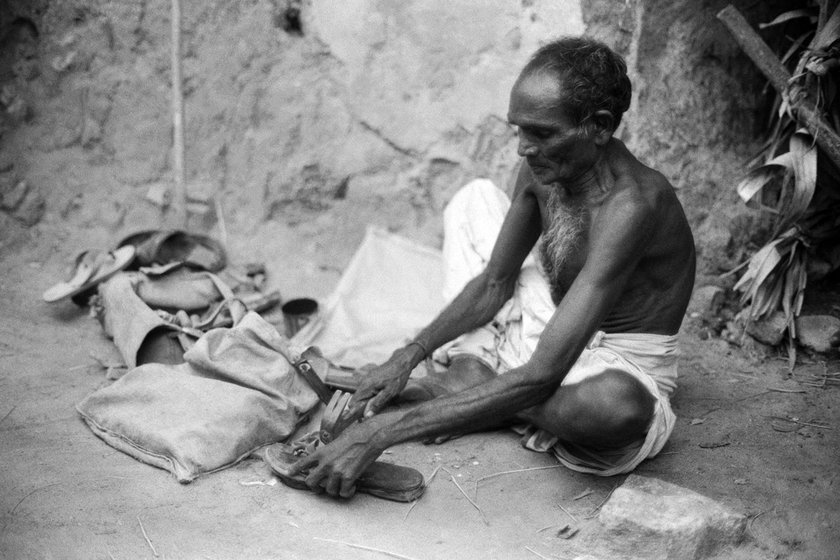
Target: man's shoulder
[645, 190]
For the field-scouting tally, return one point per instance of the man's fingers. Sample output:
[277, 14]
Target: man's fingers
[352, 409]
[375, 404]
[303, 464]
[333, 484]
[314, 480]
[379, 402]
[348, 488]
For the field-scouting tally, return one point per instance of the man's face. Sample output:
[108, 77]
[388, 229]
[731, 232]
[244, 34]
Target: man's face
[556, 148]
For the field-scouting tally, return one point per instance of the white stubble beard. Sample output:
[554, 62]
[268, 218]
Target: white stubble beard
[568, 224]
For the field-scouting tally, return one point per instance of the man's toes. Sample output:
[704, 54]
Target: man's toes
[437, 440]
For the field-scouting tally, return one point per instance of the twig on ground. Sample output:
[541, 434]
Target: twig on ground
[532, 551]
[368, 548]
[425, 485]
[750, 520]
[567, 513]
[518, 471]
[595, 511]
[546, 528]
[7, 414]
[467, 496]
[475, 488]
[795, 421]
[145, 536]
[781, 390]
[12, 511]
[220, 216]
[414, 503]
[821, 381]
[583, 494]
[752, 396]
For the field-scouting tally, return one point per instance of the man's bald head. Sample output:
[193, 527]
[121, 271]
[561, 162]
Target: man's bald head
[590, 75]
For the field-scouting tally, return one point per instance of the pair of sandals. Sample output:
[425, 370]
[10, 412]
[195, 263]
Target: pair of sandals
[145, 248]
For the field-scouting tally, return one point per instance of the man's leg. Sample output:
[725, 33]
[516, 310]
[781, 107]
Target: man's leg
[464, 371]
[606, 411]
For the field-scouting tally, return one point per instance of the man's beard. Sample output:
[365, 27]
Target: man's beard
[566, 231]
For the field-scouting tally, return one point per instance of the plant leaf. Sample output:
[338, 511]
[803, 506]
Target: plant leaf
[761, 264]
[786, 16]
[829, 33]
[795, 46]
[757, 178]
[804, 160]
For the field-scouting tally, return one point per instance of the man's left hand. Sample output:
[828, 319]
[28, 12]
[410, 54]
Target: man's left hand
[334, 468]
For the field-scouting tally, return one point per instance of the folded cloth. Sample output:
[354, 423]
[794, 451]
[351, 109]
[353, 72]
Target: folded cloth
[650, 358]
[234, 394]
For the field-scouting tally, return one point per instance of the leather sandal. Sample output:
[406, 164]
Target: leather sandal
[380, 479]
[168, 246]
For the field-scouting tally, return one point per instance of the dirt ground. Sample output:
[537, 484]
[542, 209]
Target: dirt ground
[746, 435]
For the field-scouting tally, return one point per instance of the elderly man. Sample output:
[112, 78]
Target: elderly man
[578, 345]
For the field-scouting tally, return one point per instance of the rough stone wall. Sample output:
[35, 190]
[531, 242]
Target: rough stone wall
[374, 100]
[374, 112]
[698, 108]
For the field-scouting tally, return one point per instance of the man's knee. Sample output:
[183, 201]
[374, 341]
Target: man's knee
[610, 409]
[621, 403]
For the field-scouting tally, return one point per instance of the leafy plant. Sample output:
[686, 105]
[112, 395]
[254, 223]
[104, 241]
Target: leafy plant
[798, 193]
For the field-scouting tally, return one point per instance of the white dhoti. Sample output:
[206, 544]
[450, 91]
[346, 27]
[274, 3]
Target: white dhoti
[472, 221]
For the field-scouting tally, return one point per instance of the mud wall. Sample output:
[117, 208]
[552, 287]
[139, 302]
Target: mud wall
[341, 114]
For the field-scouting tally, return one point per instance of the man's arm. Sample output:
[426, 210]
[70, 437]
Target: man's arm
[621, 232]
[475, 306]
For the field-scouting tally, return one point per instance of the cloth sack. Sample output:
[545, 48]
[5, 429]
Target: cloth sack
[389, 291]
[234, 394]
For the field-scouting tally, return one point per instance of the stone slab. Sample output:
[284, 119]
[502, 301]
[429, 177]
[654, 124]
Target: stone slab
[816, 331]
[658, 520]
[706, 300]
[769, 330]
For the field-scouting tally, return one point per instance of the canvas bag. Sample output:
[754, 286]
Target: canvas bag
[234, 394]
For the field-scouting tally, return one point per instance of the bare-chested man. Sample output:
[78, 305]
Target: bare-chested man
[616, 263]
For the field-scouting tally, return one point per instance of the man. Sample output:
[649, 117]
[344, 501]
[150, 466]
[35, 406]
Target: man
[582, 349]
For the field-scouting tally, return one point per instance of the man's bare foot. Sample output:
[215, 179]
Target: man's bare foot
[438, 440]
[464, 371]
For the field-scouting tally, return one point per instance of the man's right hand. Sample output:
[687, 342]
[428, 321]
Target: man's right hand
[381, 384]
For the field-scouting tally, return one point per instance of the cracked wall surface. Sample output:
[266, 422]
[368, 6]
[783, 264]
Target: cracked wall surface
[375, 108]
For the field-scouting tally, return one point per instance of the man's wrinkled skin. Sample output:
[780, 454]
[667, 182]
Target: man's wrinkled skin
[632, 272]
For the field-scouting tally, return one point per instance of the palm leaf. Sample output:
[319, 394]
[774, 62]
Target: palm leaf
[830, 32]
[758, 178]
[788, 16]
[804, 163]
[794, 48]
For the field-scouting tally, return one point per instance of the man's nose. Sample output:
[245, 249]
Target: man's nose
[526, 149]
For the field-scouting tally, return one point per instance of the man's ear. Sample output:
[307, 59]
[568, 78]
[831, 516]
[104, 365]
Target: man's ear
[603, 126]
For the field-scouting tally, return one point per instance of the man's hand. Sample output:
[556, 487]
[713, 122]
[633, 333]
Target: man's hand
[384, 382]
[334, 468]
